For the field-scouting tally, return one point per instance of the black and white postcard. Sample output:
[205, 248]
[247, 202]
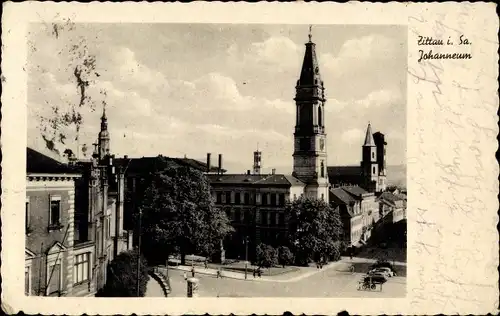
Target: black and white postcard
[249, 158]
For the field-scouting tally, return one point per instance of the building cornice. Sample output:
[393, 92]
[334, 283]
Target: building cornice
[52, 177]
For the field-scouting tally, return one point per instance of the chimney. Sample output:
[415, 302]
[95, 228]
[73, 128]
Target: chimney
[220, 163]
[125, 157]
[273, 171]
[208, 161]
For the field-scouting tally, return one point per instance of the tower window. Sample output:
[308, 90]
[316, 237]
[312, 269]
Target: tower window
[373, 170]
[322, 171]
[320, 117]
[373, 154]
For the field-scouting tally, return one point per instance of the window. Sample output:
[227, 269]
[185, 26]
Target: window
[264, 199]
[109, 226]
[273, 218]
[373, 170]
[27, 214]
[55, 211]
[219, 197]
[228, 197]
[237, 198]
[320, 117]
[322, 196]
[237, 215]
[82, 268]
[247, 198]
[273, 198]
[263, 218]
[281, 220]
[27, 280]
[373, 154]
[282, 199]
[322, 171]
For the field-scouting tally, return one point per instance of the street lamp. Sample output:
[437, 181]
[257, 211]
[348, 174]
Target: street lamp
[139, 253]
[246, 256]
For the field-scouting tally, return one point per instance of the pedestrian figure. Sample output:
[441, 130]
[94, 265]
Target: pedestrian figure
[254, 273]
[192, 272]
[206, 264]
[260, 273]
[185, 276]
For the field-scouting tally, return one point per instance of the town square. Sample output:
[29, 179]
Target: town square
[270, 163]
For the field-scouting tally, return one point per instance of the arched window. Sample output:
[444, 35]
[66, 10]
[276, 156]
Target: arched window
[320, 117]
[322, 171]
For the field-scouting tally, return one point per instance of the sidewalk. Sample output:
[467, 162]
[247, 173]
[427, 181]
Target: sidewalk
[241, 276]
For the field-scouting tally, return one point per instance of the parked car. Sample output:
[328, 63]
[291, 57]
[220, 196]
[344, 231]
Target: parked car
[386, 271]
[376, 278]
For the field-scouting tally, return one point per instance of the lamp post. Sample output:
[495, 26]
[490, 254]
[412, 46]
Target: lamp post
[246, 256]
[139, 253]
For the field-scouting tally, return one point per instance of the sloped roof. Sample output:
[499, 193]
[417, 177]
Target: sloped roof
[388, 196]
[369, 141]
[339, 196]
[151, 164]
[37, 162]
[294, 181]
[254, 179]
[355, 190]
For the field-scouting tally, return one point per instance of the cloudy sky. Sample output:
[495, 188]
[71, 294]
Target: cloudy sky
[179, 89]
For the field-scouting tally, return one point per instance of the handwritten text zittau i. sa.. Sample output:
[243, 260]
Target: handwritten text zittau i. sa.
[426, 40]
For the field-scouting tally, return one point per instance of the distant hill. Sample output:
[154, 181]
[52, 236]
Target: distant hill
[396, 175]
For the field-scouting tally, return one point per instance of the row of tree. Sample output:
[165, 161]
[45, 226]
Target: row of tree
[179, 217]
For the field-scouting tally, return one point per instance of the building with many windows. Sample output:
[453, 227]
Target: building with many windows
[74, 222]
[255, 205]
[49, 226]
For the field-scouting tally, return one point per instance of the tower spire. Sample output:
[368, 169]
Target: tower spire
[369, 142]
[310, 34]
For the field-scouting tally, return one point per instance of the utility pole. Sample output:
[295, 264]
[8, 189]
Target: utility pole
[246, 256]
[139, 253]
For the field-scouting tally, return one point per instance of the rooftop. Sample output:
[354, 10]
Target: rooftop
[254, 179]
[150, 164]
[37, 162]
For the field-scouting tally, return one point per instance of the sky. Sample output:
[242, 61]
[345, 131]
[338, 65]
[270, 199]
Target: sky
[189, 89]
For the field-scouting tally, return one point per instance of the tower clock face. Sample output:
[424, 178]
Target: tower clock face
[321, 144]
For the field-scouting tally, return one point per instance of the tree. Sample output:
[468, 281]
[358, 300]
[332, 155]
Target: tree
[122, 276]
[60, 120]
[266, 256]
[315, 229]
[179, 215]
[285, 256]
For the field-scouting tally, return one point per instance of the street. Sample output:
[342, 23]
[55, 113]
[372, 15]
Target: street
[308, 282]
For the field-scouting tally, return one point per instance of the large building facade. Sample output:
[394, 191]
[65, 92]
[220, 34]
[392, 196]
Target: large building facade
[255, 205]
[74, 221]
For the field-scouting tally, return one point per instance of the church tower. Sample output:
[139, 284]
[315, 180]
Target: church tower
[309, 157]
[103, 136]
[369, 165]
